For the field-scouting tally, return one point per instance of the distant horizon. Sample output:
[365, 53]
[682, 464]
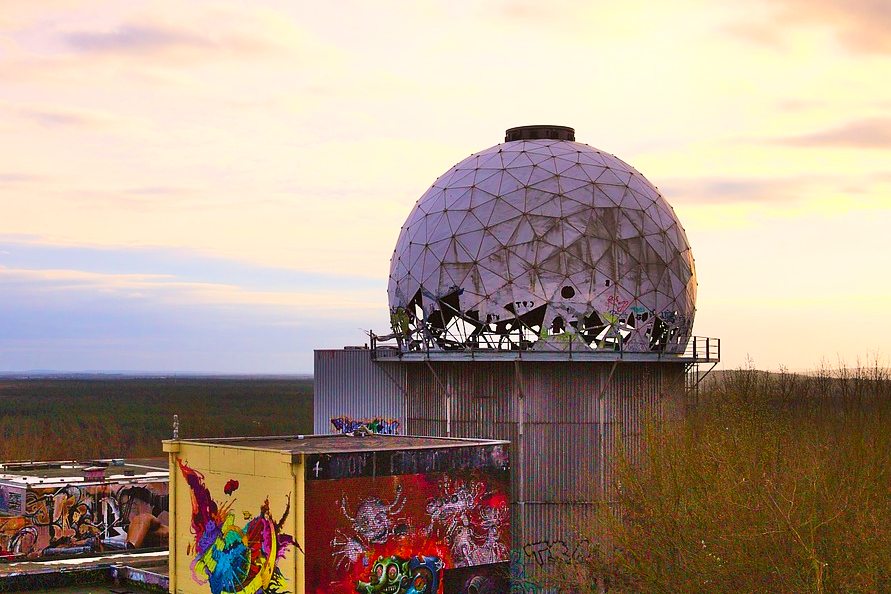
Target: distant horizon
[49, 373]
[135, 374]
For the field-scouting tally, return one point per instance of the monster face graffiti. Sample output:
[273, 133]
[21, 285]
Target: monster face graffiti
[232, 558]
[374, 523]
[473, 530]
[393, 575]
[404, 534]
[453, 505]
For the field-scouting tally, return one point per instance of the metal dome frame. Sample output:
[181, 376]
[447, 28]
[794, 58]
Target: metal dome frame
[542, 244]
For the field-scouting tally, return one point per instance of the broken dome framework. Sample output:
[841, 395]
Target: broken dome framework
[542, 243]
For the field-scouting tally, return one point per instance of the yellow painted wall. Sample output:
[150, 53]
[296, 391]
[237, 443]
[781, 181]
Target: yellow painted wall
[261, 474]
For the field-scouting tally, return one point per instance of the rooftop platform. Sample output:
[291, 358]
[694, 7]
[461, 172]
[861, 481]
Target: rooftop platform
[130, 573]
[337, 444]
[699, 349]
[101, 588]
[65, 472]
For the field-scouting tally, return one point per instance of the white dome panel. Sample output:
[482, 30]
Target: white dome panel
[542, 243]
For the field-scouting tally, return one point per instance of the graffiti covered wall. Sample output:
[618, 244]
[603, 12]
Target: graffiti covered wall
[403, 522]
[235, 547]
[84, 518]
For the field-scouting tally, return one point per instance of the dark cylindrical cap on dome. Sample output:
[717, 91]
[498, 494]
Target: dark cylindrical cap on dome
[539, 132]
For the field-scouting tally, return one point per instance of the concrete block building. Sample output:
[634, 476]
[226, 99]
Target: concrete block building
[64, 508]
[321, 514]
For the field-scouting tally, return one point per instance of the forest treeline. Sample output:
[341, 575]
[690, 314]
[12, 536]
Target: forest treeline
[80, 419]
[774, 482]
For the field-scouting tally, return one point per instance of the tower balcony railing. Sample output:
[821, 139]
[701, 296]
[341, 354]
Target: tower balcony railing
[696, 349]
[703, 349]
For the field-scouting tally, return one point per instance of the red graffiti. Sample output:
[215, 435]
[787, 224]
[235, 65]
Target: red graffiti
[231, 486]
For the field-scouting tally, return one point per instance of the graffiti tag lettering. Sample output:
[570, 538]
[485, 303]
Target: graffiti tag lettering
[617, 304]
[347, 425]
[397, 462]
[545, 552]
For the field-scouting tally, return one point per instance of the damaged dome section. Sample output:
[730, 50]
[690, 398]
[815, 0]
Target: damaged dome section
[542, 243]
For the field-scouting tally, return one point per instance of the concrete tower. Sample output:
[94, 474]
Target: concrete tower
[543, 292]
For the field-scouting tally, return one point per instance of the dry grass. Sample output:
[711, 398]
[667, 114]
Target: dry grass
[65, 419]
[775, 483]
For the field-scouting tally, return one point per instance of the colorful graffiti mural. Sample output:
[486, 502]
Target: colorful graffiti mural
[228, 557]
[349, 425]
[85, 518]
[420, 533]
[396, 575]
[374, 522]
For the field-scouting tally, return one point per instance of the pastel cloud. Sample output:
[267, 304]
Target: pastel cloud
[177, 276]
[132, 38]
[807, 191]
[859, 25]
[52, 115]
[70, 330]
[290, 307]
[203, 314]
[17, 178]
[862, 25]
[716, 191]
[872, 133]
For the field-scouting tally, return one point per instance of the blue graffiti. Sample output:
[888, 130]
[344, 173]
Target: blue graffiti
[348, 426]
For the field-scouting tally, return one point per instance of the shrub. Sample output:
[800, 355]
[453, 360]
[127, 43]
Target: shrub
[774, 483]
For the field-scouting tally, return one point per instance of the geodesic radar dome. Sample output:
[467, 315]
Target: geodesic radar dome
[542, 243]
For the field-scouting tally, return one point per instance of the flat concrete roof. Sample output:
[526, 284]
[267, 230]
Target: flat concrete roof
[84, 575]
[47, 473]
[333, 444]
[155, 561]
[108, 588]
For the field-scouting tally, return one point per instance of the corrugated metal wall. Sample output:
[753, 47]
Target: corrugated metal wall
[564, 420]
[346, 382]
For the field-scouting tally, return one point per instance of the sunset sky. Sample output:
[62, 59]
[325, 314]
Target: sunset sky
[218, 186]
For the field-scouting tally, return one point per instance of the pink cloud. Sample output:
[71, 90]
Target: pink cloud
[860, 25]
[874, 133]
[132, 38]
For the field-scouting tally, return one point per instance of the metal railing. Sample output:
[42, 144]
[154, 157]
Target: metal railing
[696, 348]
[703, 348]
